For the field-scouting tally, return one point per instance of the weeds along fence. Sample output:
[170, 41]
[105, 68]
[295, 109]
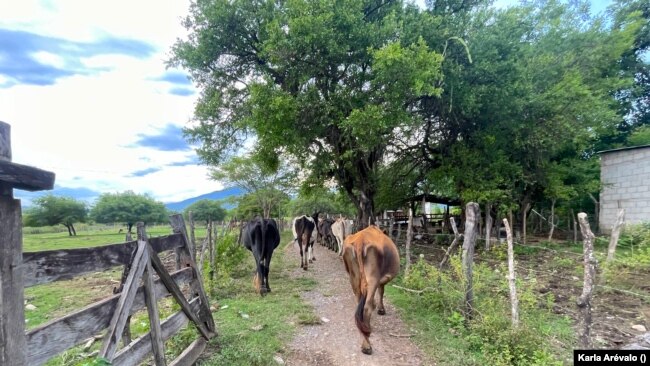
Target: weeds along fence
[580, 311]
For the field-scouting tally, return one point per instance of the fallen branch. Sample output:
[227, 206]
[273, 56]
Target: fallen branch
[400, 335]
[414, 291]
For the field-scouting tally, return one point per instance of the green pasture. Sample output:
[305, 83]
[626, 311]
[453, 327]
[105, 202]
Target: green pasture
[39, 239]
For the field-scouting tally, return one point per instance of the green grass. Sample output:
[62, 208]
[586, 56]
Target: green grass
[252, 329]
[434, 316]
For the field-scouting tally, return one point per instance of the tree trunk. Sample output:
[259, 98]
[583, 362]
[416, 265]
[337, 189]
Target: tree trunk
[129, 226]
[552, 220]
[68, 227]
[74, 232]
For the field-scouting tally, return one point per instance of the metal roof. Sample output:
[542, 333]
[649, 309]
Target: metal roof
[622, 149]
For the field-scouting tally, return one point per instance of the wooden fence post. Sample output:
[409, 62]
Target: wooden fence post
[616, 232]
[13, 346]
[584, 301]
[524, 224]
[454, 243]
[213, 250]
[409, 236]
[157, 345]
[514, 302]
[190, 217]
[472, 215]
[488, 225]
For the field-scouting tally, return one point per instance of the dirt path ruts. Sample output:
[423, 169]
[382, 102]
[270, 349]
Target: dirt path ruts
[337, 341]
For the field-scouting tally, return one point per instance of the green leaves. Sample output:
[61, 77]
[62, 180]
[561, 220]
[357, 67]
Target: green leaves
[128, 207]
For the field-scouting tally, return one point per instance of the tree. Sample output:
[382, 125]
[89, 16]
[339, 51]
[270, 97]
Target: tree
[538, 92]
[128, 207]
[266, 186]
[53, 210]
[320, 200]
[329, 82]
[206, 210]
[248, 205]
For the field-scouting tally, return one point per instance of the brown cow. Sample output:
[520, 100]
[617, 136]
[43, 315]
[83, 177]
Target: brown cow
[371, 260]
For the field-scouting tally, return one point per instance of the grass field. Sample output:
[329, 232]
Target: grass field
[251, 329]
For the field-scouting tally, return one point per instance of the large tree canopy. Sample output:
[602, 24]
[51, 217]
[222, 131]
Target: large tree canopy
[330, 83]
[128, 207]
[54, 210]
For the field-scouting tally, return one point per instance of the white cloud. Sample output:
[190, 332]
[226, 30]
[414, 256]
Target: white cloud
[84, 126]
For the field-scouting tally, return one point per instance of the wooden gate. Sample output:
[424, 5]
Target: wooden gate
[141, 258]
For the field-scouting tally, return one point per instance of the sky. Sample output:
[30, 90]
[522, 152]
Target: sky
[84, 86]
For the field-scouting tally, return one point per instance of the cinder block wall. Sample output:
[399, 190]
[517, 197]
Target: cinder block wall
[625, 180]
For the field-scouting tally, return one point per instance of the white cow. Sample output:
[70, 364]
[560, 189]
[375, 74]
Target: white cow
[341, 228]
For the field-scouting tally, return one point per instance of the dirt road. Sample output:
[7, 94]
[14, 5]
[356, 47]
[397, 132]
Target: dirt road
[336, 341]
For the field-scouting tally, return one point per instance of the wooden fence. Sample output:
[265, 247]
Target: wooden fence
[140, 259]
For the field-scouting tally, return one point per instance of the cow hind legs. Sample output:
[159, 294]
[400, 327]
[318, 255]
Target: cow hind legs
[381, 310]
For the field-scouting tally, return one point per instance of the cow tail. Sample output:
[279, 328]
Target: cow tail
[363, 291]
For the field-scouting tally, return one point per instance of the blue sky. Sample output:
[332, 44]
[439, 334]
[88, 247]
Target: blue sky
[85, 89]
[84, 86]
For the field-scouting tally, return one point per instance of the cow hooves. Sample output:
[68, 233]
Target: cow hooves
[381, 311]
[367, 351]
[310, 261]
[305, 268]
[313, 259]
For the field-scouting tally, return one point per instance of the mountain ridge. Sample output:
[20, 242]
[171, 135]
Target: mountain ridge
[216, 195]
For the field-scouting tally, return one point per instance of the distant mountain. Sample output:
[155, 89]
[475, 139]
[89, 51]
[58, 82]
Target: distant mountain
[217, 195]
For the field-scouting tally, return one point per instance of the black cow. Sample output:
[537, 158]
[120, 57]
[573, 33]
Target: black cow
[325, 234]
[261, 236]
[304, 230]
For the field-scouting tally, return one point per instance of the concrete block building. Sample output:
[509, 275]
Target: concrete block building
[625, 183]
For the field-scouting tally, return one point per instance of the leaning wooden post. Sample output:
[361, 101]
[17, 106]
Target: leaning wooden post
[584, 301]
[13, 347]
[514, 302]
[391, 223]
[616, 232]
[409, 236]
[471, 219]
[454, 243]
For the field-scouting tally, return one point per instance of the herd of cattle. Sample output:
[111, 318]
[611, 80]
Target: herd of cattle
[370, 257]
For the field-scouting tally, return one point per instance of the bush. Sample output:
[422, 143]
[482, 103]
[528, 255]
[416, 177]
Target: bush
[633, 249]
[490, 332]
